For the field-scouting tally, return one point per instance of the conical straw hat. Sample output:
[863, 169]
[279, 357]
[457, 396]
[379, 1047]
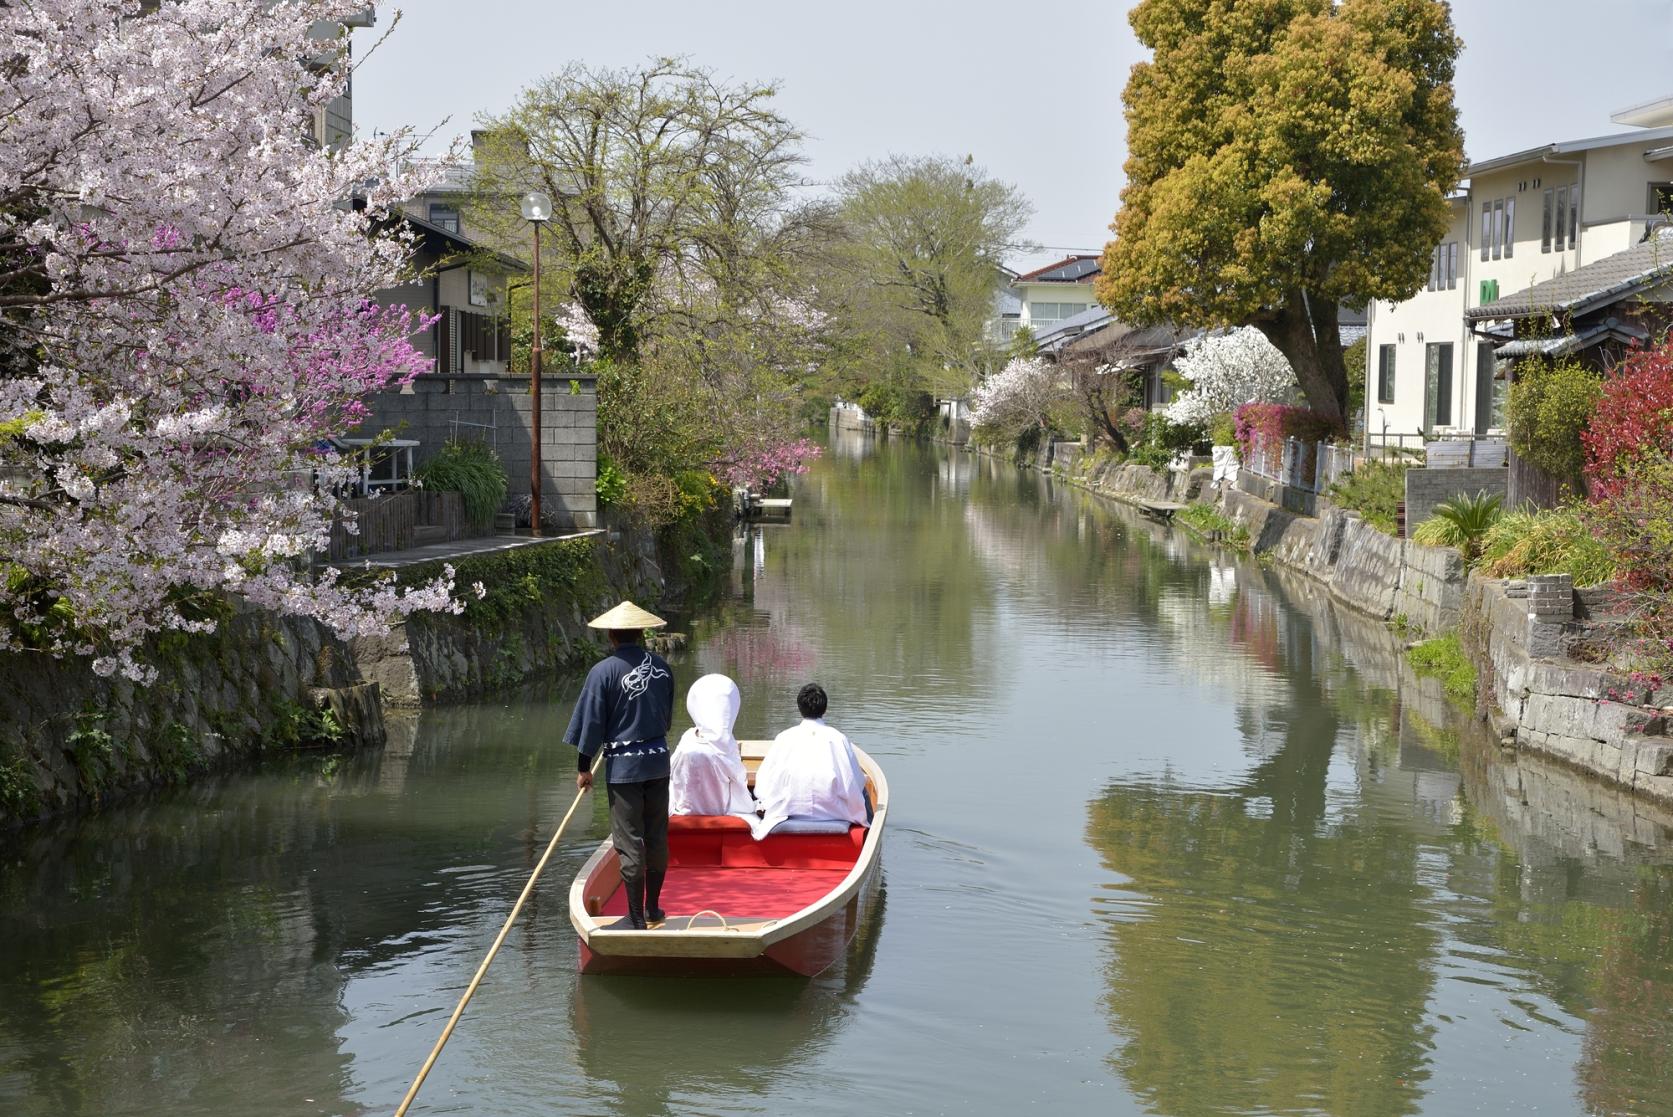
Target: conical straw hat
[628, 616]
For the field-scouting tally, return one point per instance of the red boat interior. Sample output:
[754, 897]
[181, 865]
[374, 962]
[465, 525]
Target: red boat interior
[716, 865]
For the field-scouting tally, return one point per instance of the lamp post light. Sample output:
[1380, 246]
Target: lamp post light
[537, 210]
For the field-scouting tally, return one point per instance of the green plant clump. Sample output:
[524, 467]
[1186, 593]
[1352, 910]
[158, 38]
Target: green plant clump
[1206, 521]
[611, 485]
[1375, 491]
[1549, 408]
[1549, 541]
[1461, 522]
[472, 469]
[1443, 658]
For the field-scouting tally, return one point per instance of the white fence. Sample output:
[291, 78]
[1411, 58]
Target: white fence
[1315, 467]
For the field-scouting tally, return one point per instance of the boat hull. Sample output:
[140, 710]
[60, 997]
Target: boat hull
[807, 953]
[793, 902]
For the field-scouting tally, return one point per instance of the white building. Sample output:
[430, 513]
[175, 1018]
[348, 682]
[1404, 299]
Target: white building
[1520, 219]
[1045, 297]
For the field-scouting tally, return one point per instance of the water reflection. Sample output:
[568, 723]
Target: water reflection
[1316, 887]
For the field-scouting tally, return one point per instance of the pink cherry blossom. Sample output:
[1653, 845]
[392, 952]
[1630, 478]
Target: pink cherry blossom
[184, 279]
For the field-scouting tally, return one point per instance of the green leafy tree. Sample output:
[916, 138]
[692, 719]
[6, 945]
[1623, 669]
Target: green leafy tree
[917, 265]
[657, 174]
[1285, 157]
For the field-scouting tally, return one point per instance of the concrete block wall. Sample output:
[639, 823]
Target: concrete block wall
[1427, 487]
[437, 407]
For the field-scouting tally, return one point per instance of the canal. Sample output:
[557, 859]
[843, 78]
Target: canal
[1170, 834]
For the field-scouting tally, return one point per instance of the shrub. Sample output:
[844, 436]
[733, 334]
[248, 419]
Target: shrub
[1375, 491]
[1634, 416]
[1222, 431]
[1548, 409]
[1550, 541]
[472, 469]
[1461, 522]
[1636, 524]
[1271, 423]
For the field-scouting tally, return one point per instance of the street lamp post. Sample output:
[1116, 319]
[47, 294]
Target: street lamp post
[537, 210]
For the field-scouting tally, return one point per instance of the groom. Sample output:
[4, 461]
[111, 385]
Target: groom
[625, 708]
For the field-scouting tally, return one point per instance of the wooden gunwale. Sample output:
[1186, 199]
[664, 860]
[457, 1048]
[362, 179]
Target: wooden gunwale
[748, 940]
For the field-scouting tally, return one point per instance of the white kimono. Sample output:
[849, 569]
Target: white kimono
[810, 772]
[708, 777]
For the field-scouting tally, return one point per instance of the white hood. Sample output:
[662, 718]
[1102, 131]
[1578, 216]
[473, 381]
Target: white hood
[708, 777]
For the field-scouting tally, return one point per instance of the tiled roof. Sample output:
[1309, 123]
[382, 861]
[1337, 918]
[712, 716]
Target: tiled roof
[1602, 281]
[1072, 269]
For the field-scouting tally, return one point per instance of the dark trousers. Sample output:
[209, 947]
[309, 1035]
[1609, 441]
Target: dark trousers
[639, 826]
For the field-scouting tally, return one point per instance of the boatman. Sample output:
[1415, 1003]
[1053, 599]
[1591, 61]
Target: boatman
[625, 708]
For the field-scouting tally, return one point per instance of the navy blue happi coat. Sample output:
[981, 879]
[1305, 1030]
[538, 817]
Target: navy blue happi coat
[627, 704]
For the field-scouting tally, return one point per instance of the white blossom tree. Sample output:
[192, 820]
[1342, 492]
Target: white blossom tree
[1227, 371]
[1024, 395]
[184, 282]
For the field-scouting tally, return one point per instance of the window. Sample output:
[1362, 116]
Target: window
[1545, 224]
[1050, 314]
[1452, 266]
[1498, 228]
[1574, 216]
[1385, 374]
[447, 217]
[1561, 224]
[1434, 268]
[1510, 228]
[1437, 398]
[1661, 197]
[1489, 391]
[1486, 229]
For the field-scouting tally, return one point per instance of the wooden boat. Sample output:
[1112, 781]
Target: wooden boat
[788, 904]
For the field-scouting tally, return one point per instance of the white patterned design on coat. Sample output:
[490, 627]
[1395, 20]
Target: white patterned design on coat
[638, 680]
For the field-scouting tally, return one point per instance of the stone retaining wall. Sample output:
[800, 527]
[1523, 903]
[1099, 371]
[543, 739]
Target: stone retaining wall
[69, 738]
[1560, 708]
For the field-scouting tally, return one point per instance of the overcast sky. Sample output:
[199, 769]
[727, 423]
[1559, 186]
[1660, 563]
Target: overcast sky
[1036, 99]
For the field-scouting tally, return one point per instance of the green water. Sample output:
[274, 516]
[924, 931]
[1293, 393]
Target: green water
[1170, 834]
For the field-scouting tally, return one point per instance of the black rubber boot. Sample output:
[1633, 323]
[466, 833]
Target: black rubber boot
[635, 903]
[654, 915]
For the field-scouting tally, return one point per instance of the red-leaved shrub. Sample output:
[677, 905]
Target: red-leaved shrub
[1270, 424]
[1634, 419]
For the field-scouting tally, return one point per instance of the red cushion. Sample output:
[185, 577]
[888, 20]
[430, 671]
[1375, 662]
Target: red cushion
[688, 823]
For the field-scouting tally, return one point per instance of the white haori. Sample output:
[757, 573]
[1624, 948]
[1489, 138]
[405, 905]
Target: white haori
[708, 775]
[811, 772]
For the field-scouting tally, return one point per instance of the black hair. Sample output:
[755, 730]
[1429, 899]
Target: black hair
[619, 636]
[811, 701]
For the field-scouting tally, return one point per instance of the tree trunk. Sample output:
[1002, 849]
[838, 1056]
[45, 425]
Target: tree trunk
[1307, 333]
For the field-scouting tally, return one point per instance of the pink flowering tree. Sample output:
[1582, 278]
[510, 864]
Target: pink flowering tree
[768, 461]
[184, 281]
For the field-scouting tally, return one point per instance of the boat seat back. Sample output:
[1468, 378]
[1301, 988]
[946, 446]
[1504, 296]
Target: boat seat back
[695, 840]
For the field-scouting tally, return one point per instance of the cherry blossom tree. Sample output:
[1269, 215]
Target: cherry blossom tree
[1227, 371]
[1021, 397]
[184, 281]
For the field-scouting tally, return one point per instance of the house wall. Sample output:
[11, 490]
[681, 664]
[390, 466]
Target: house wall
[1031, 293]
[1410, 326]
[1615, 188]
[499, 411]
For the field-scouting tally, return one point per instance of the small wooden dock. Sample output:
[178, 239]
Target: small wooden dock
[1162, 510]
[752, 506]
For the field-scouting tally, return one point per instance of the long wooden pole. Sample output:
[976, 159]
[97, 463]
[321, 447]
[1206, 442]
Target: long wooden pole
[470, 991]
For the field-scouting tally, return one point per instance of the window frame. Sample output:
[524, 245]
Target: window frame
[1545, 226]
[1386, 357]
[1510, 228]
